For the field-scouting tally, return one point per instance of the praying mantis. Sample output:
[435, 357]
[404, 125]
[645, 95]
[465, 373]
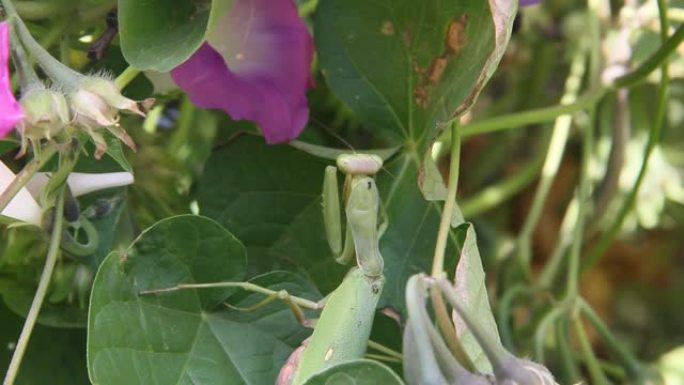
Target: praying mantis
[341, 333]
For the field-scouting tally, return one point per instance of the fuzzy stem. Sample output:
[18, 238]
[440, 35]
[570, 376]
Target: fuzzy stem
[41, 292]
[53, 67]
[25, 71]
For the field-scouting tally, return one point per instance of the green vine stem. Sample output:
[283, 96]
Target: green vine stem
[540, 115]
[384, 349]
[658, 58]
[25, 175]
[553, 264]
[553, 159]
[543, 329]
[534, 116]
[447, 212]
[24, 70]
[41, 292]
[441, 313]
[504, 311]
[583, 198]
[631, 364]
[53, 67]
[567, 361]
[498, 193]
[598, 376]
[126, 77]
[47, 39]
[654, 136]
[448, 330]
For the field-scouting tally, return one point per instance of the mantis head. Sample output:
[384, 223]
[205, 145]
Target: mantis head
[359, 164]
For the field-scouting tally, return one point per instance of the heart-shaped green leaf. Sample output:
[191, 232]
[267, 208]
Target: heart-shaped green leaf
[184, 336]
[270, 198]
[157, 36]
[406, 67]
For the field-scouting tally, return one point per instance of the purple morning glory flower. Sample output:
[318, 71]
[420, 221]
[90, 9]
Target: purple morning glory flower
[255, 65]
[10, 110]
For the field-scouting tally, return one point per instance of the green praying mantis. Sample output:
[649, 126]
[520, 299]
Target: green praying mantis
[342, 331]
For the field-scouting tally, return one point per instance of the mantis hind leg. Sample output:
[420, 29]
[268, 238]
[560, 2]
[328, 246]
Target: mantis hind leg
[282, 295]
[294, 303]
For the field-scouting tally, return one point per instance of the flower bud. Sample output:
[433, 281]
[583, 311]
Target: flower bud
[45, 114]
[111, 95]
[96, 103]
[91, 110]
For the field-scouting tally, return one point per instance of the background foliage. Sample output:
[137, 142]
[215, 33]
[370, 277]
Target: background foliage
[377, 87]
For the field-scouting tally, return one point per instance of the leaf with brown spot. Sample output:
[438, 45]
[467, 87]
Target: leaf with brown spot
[427, 64]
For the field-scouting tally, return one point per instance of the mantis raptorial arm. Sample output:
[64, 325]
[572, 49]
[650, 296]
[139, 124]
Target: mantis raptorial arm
[361, 202]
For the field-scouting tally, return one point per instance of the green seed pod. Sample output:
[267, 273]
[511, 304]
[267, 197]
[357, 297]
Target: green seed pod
[45, 114]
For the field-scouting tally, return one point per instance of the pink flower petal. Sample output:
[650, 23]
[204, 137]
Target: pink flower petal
[10, 110]
[255, 66]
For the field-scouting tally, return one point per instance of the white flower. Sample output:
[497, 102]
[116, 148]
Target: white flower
[24, 207]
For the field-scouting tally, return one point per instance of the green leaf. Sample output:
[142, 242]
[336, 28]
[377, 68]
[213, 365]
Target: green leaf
[383, 58]
[270, 198]
[186, 336]
[7, 146]
[54, 356]
[23, 261]
[406, 67]
[156, 36]
[357, 372]
[471, 286]
[115, 151]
